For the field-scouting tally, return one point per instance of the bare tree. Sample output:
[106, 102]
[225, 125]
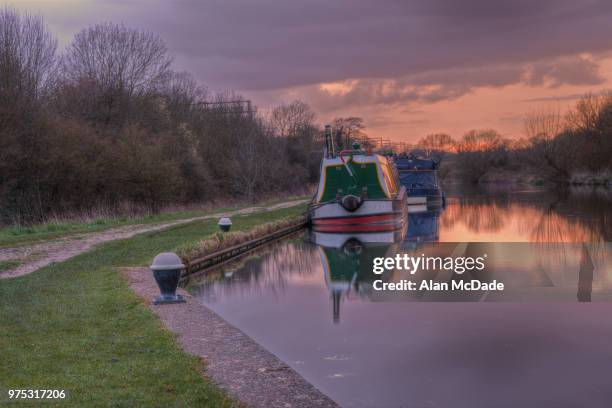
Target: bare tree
[544, 124]
[549, 148]
[288, 119]
[349, 128]
[27, 58]
[480, 140]
[182, 95]
[116, 64]
[591, 123]
[250, 163]
[585, 116]
[27, 67]
[479, 151]
[116, 57]
[437, 143]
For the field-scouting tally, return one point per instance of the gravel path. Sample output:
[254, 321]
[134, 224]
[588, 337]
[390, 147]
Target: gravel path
[233, 360]
[35, 256]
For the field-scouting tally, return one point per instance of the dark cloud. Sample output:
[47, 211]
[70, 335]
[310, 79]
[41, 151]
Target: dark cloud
[438, 49]
[273, 44]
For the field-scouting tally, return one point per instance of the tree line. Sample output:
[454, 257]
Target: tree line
[556, 147]
[108, 123]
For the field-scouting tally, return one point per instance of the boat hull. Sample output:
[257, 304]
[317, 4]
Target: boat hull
[431, 198]
[415, 200]
[371, 216]
[339, 240]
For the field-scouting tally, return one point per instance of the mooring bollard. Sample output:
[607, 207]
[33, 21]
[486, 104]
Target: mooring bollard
[225, 224]
[167, 268]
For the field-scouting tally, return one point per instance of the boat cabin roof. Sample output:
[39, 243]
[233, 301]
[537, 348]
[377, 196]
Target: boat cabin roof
[409, 163]
[357, 173]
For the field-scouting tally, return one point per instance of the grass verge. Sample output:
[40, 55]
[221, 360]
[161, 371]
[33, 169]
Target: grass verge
[22, 235]
[77, 326]
[10, 264]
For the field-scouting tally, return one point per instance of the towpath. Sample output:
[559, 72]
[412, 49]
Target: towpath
[233, 360]
[35, 256]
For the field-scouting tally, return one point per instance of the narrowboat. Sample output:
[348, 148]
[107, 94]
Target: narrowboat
[420, 177]
[358, 191]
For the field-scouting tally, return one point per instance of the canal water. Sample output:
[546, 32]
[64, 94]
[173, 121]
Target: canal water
[544, 341]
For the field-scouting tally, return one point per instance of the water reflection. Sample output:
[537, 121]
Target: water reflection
[577, 215]
[310, 301]
[585, 276]
[529, 271]
[556, 221]
[267, 273]
[347, 261]
[423, 224]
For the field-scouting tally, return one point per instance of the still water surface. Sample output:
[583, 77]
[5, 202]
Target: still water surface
[546, 341]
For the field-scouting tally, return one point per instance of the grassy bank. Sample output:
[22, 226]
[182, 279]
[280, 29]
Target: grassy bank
[61, 227]
[76, 326]
[220, 241]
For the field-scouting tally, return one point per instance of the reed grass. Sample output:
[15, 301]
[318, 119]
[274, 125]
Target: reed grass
[221, 240]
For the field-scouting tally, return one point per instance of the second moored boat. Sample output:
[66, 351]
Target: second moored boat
[420, 177]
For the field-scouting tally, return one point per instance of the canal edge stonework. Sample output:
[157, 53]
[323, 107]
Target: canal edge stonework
[234, 361]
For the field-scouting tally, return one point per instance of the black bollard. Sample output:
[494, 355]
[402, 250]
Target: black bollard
[167, 268]
[225, 224]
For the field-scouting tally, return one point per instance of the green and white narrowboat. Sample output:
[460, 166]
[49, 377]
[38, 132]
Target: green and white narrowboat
[358, 192]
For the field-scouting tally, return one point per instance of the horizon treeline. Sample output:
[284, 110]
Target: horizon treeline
[107, 123]
[570, 148]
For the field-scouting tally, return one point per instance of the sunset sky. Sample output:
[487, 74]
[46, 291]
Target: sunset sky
[407, 67]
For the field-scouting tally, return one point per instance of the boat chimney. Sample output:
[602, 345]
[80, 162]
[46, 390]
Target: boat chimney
[329, 142]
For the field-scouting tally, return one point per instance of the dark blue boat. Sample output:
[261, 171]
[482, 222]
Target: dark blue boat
[420, 177]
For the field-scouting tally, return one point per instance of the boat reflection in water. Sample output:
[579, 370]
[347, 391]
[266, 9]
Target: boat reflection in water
[423, 224]
[347, 261]
[528, 271]
[347, 258]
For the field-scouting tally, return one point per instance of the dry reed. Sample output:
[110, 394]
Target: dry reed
[225, 240]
